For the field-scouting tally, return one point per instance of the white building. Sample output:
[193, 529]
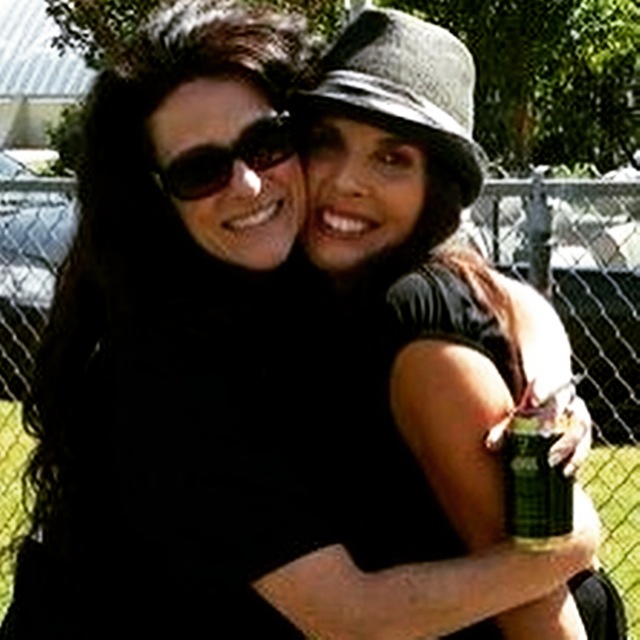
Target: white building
[36, 81]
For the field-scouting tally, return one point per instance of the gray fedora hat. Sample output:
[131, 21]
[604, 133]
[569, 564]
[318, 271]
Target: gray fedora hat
[399, 71]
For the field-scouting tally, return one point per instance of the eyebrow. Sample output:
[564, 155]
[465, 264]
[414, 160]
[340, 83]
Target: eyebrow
[398, 140]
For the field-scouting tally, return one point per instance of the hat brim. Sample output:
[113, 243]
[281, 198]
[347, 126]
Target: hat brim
[463, 156]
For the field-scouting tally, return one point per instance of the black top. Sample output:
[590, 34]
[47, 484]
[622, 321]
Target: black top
[206, 446]
[433, 301]
[231, 423]
[191, 446]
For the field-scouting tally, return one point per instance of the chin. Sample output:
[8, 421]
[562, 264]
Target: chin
[332, 263]
[267, 258]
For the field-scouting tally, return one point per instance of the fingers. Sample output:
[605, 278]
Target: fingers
[496, 434]
[573, 447]
[571, 450]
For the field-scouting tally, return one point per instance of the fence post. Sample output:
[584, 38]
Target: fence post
[539, 230]
[354, 7]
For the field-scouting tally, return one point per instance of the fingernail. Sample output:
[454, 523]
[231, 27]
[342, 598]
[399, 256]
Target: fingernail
[493, 438]
[569, 470]
[555, 458]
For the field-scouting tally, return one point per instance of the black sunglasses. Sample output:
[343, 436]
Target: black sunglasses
[203, 170]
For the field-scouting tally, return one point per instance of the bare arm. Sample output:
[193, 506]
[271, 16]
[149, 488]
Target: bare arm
[443, 396]
[546, 354]
[542, 339]
[326, 596]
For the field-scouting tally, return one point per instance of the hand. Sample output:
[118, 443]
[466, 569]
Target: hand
[572, 449]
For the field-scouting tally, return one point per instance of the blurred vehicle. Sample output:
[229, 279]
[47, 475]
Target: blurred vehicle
[27, 191]
[10, 168]
[35, 233]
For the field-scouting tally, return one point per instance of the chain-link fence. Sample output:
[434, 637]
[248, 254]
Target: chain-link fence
[578, 240]
[36, 223]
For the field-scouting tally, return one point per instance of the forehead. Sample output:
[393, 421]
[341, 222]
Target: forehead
[205, 110]
[352, 128]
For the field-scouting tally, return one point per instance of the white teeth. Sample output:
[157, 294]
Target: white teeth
[342, 224]
[253, 220]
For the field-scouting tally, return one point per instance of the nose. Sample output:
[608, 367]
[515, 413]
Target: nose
[349, 176]
[245, 181]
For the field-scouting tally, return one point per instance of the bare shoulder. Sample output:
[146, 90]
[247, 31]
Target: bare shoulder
[543, 340]
[528, 301]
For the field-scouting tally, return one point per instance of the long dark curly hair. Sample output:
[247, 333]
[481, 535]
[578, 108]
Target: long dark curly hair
[128, 231]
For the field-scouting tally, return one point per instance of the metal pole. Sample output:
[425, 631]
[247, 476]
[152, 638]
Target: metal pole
[539, 228]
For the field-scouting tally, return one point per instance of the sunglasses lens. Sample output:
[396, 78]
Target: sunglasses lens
[204, 170]
[267, 143]
[199, 173]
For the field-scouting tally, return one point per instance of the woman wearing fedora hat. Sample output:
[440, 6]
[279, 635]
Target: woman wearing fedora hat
[442, 340]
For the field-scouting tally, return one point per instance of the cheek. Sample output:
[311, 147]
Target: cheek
[292, 179]
[195, 217]
[295, 178]
[408, 204]
[185, 211]
[315, 174]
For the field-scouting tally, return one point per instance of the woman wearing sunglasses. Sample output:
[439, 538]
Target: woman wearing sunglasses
[444, 350]
[184, 481]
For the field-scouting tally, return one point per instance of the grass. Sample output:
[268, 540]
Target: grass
[611, 477]
[14, 449]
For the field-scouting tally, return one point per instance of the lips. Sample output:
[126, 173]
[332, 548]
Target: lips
[342, 223]
[254, 219]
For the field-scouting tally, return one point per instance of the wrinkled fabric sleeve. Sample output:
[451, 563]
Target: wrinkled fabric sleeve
[434, 303]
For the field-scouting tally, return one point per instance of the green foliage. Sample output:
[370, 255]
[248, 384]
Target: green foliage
[96, 28]
[585, 170]
[554, 78]
[324, 16]
[65, 138]
[585, 107]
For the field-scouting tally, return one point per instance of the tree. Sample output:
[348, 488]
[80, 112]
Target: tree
[553, 77]
[98, 28]
[585, 109]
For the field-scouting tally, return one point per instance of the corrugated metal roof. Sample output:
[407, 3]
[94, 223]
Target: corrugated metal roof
[29, 65]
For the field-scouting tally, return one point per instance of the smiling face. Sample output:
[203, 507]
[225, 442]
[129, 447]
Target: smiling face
[252, 220]
[367, 189]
